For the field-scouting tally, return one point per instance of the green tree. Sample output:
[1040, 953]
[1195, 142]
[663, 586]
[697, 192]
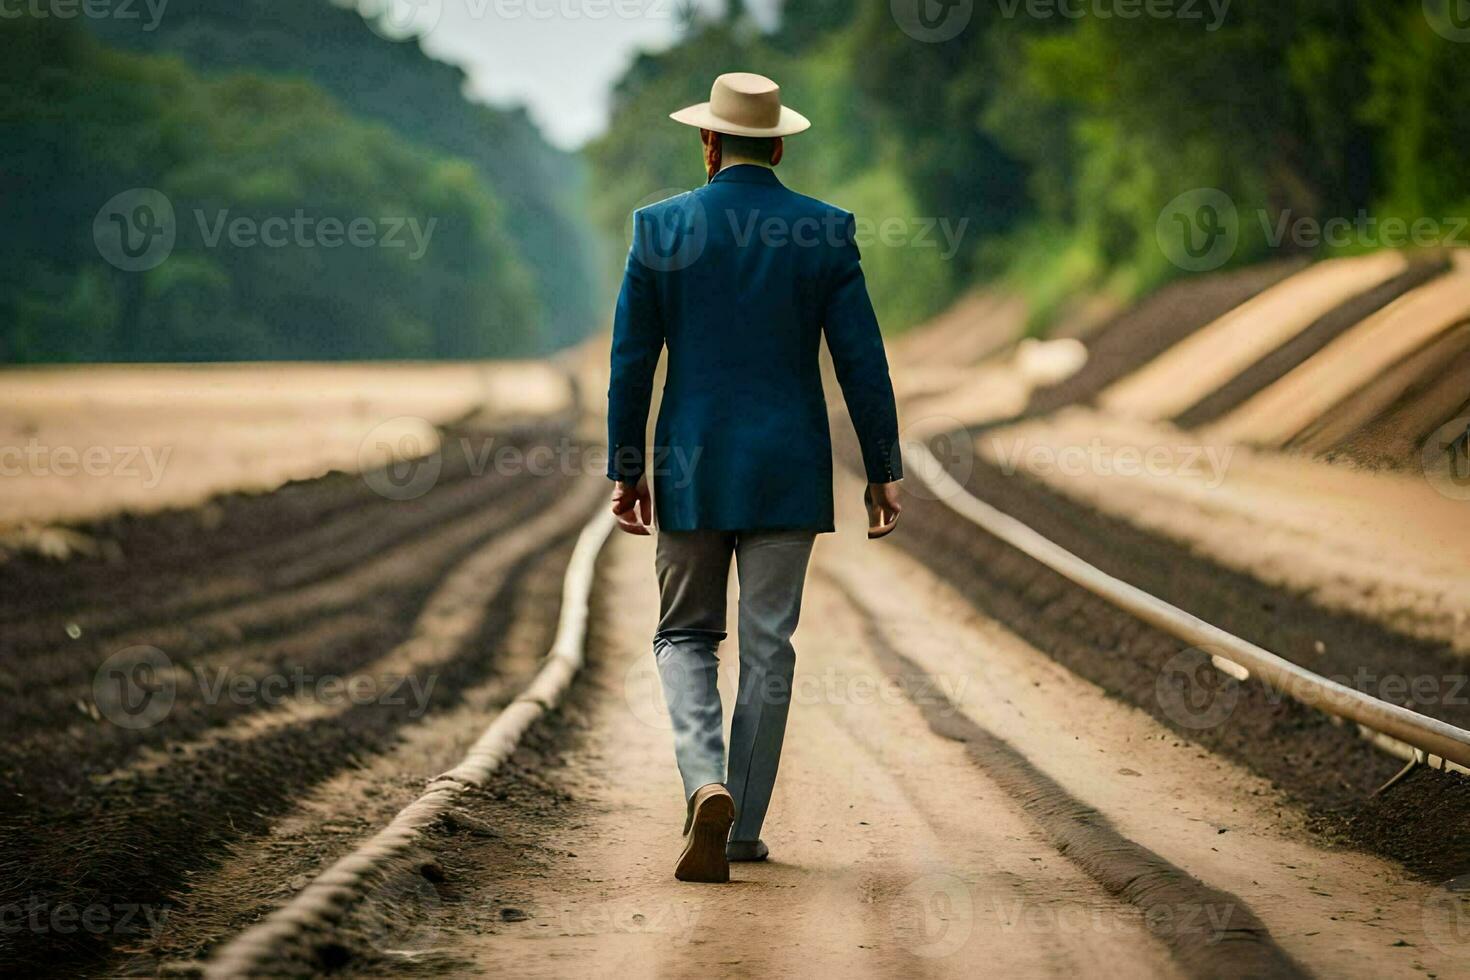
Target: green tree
[85, 122]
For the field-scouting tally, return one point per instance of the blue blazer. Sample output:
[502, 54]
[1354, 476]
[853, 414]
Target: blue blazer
[740, 279]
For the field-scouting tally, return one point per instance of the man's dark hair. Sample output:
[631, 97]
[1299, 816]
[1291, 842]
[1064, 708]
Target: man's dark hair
[748, 147]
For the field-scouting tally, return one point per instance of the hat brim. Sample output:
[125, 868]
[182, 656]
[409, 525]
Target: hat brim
[790, 123]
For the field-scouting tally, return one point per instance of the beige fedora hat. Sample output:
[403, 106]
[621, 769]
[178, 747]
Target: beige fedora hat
[744, 104]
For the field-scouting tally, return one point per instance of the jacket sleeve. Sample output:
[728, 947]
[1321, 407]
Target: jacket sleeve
[862, 366]
[638, 338]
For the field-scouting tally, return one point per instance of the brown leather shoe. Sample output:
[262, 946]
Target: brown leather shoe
[711, 812]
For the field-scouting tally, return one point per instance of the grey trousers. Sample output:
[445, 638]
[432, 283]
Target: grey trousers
[693, 571]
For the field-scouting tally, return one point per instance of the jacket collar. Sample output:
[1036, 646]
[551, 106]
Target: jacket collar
[747, 173]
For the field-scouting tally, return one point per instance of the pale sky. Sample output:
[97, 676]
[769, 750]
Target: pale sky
[558, 57]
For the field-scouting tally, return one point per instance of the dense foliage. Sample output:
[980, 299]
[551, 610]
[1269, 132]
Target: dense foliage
[392, 82]
[305, 225]
[1061, 140]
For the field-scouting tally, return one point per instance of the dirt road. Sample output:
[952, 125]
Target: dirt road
[950, 801]
[988, 769]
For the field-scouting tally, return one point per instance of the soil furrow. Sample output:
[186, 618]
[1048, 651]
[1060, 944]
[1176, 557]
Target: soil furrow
[1323, 764]
[137, 591]
[141, 836]
[402, 571]
[1160, 321]
[1281, 361]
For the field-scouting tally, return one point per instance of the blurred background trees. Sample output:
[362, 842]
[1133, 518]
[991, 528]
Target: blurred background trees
[258, 108]
[1061, 139]
[1051, 142]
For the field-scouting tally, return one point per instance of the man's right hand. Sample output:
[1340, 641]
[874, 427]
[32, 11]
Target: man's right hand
[632, 505]
[883, 506]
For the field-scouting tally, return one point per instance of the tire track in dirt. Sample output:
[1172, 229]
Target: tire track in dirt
[1226, 939]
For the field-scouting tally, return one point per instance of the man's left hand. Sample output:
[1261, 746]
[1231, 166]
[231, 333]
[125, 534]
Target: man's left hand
[883, 505]
[632, 505]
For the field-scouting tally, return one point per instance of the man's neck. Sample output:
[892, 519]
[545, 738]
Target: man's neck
[740, 162]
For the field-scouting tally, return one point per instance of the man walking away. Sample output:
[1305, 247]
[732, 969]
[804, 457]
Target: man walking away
[740, 280]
